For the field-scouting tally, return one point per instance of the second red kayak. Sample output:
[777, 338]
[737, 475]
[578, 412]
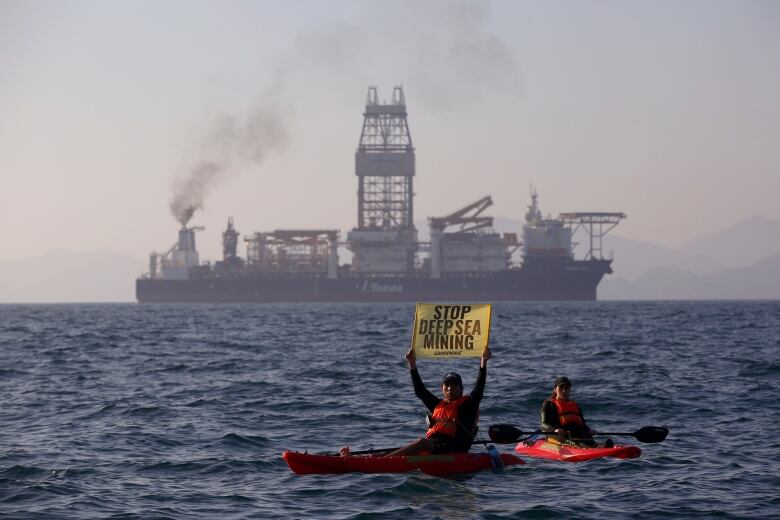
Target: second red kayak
[542, 448]
[309, 463]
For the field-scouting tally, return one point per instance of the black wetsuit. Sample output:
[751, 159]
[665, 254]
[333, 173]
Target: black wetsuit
[468, 413]
[550, 422]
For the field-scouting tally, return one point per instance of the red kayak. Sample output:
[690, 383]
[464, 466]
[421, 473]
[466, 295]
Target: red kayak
[312, 464]
[542, 448]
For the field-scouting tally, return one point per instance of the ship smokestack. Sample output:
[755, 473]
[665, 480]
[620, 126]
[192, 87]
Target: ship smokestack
[186, 240]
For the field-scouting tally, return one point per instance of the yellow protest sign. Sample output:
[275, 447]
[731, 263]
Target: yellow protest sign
[450, 330]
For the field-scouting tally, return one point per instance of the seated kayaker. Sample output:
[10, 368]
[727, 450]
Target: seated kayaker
[563, 418]
[454, 418]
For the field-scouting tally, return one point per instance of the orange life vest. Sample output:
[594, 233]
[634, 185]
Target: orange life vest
[445, 418]
[568, 413]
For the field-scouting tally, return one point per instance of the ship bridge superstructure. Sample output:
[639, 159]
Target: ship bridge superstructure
[552, 237]
[545, 237]
[385, 239]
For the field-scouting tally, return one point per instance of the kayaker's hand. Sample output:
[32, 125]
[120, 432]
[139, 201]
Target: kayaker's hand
[486, 354]
[411, 359]
[344, 451]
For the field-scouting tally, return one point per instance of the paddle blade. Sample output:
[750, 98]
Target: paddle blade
[504, 433]
[651, 434]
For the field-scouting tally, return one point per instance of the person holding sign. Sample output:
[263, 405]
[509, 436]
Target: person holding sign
[562, 416]
[454, 418]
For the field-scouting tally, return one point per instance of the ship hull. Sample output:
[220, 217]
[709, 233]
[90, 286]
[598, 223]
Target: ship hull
[535, 281]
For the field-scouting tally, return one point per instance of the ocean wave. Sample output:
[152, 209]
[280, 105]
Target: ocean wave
[128, 416]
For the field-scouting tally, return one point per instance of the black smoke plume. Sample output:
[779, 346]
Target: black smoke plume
[232, 140]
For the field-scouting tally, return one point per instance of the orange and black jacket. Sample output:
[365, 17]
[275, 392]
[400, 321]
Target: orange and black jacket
[573, 418]
[467, 409]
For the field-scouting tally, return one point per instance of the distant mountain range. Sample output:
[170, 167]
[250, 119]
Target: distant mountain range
[741, 262]
[740, 245]
[760, 280]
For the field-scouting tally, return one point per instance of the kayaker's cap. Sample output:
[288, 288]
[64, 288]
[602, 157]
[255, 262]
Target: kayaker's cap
[563, 380]
[450, 377]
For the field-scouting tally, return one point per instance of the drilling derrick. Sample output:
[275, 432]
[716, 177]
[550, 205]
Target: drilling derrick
[385, 239]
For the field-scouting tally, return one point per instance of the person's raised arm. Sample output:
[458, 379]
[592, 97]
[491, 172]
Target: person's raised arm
[479, 386]
[428, 399]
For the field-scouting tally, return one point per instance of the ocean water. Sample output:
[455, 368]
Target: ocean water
[182, 411]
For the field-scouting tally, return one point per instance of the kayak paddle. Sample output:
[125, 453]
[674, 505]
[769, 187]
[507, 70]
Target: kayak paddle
[388, 450]
[366, 452]
[506, 433]
[648, 434]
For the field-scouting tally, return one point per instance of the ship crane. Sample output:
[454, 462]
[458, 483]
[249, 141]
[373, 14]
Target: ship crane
[468, 222]
[467, 252]
[593, 222]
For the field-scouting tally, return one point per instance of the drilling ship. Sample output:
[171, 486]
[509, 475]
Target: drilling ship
[465, 259]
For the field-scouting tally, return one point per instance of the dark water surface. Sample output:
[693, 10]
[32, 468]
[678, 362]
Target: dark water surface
[130, 411]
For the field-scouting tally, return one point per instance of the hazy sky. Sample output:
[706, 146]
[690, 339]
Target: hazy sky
[666, 110]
